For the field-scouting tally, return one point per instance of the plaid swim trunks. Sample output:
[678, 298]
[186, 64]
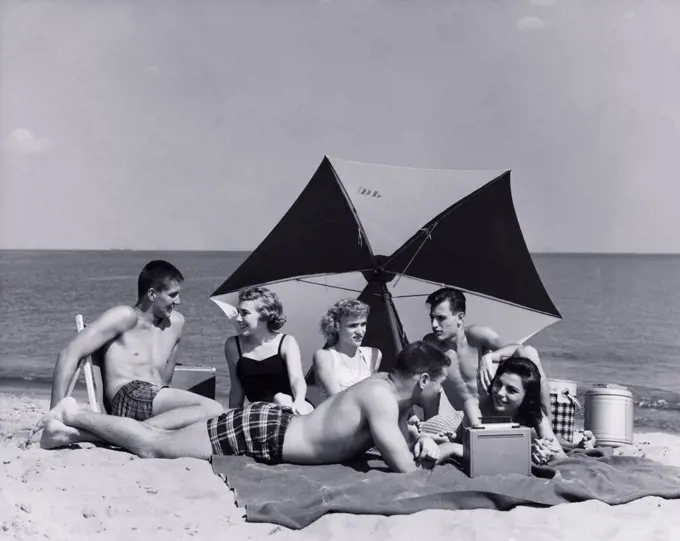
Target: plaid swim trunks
[256, 430]
[135, 400]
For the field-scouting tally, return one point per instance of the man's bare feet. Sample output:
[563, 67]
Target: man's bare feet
[57, 413]
[56, 434]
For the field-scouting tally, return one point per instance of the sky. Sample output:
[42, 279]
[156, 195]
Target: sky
[175, 125]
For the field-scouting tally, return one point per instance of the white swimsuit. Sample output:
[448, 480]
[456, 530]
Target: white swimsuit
[347, 372]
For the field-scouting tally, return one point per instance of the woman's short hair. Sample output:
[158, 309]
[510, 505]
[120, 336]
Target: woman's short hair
[330, 322]
[268, 305]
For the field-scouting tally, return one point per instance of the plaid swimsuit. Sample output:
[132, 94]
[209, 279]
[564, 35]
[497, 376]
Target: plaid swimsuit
[256, 430]
[135, 400]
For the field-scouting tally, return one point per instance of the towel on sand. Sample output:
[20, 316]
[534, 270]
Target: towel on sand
[295, 496]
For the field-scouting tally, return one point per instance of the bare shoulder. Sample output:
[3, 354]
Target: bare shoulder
[321, 355]
[120, 318]
[231, 349]
[177, 318]
[433, 341]
[479, 333]
[177, 321]
[374, 392]
[288, 340]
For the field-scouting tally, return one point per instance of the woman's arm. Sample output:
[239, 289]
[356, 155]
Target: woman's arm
[548, 439]
[375, 352]
[236, 394]
[324, 372]
[290, 351]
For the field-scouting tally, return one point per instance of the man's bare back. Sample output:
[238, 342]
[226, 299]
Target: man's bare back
[339, 428]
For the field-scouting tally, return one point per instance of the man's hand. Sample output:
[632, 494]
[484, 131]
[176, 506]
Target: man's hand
[485, 372]
[413, 427]
[426, 451]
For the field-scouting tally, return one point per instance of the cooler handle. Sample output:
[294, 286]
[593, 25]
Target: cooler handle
[565, 393]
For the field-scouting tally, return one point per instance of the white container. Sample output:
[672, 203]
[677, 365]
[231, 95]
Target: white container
[609, 414]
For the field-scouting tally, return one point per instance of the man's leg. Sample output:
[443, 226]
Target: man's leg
[177, 408]
[139, 438]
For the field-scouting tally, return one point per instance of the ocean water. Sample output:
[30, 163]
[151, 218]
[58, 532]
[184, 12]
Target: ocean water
[621, 317]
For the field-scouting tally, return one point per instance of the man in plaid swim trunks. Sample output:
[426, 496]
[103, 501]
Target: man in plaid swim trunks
[136, 347]
[371, 412]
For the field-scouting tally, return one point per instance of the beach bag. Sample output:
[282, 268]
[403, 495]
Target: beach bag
[564, 406]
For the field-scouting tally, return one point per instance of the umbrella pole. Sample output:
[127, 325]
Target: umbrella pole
[395, 324]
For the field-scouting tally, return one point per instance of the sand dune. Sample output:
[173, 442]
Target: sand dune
[96, 493]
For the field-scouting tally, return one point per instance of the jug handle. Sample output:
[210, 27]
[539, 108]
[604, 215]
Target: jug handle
[566, 394]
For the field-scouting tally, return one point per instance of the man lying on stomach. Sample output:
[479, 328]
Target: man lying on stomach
[371, 412]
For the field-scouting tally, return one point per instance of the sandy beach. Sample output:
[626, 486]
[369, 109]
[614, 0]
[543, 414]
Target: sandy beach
[97, 493]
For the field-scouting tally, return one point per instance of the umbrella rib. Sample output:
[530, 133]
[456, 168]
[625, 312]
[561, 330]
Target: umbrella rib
[445, 213]
[469, 291]
[362, 231]
[327, 285]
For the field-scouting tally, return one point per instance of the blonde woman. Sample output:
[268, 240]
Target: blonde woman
[344, 361]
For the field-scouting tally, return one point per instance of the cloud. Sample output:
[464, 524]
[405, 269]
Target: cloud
[546, 3]
[23, 141]
[527, 24]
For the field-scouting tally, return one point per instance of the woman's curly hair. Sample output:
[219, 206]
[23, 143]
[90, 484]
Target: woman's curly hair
[269, 305]
[330, 322]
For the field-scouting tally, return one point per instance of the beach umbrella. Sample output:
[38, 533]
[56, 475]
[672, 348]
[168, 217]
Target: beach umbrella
[390, 236]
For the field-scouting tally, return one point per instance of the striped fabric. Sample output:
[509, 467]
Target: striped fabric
[446, 423]
[257, 431]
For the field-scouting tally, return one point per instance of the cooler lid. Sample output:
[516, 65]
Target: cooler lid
[609, 389]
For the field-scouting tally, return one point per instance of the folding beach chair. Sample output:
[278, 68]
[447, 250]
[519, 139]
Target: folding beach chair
[93, 377]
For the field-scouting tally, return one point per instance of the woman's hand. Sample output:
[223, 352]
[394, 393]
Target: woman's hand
[302, 407]
[541, 453]
[588, 441]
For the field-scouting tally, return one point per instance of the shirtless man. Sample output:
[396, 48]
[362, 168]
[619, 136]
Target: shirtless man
[136, 347]
[475, 352]
[373, 411]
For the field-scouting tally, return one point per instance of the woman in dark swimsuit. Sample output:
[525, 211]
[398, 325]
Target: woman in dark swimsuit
[264, 364]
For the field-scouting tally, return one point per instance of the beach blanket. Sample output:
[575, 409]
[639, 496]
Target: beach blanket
[295, 496]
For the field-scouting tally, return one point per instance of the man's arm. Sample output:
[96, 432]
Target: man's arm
[111, 324]
[382, 415]
[493, 350]
[169, 370]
